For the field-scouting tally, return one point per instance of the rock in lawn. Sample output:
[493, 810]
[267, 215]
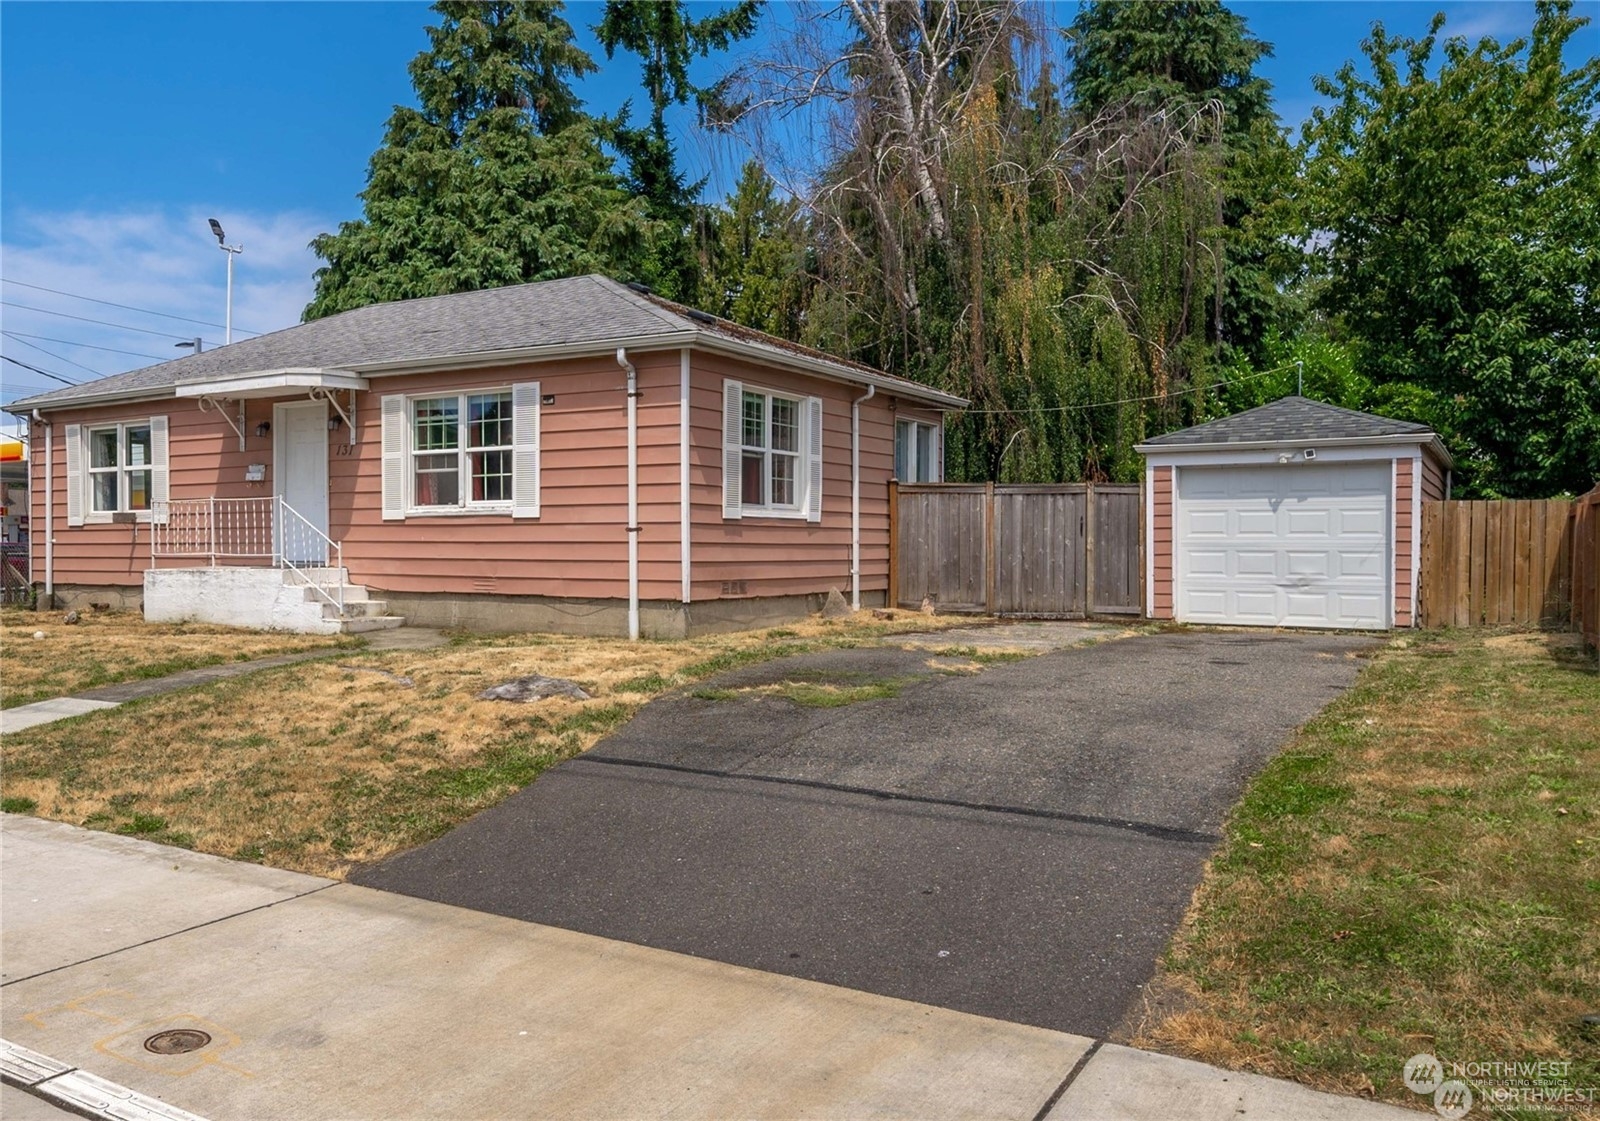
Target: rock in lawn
[38, 634]
[534, 687]
[72, 617]
[835, 607]
[927, 607]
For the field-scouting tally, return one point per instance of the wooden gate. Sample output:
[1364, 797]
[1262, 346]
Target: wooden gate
[1068, 550]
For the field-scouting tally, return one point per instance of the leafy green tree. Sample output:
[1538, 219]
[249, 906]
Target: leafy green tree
[667, 40]
[753, 267]
[497, 178]
[1166, 56]
[1457, 209]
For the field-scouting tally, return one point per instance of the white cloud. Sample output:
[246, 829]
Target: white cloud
[159, 260]
[1501, 21]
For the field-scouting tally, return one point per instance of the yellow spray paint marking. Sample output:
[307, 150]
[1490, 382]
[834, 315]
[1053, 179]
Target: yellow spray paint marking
[128, 1045]
[80, 1005]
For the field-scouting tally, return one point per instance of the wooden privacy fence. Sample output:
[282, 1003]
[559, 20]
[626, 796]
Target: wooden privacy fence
[1070, 549]
[1586, 566]
[1497, 562]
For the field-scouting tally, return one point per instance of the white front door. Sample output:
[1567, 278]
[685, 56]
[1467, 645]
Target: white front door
[300, 451]
[1296, 545]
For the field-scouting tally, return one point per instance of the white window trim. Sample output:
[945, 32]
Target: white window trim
[798, 509]
[467, 508]
[936, 446]
[91, 516]
[809, 475]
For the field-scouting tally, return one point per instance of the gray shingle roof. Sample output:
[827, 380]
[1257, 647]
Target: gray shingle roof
[1288, 420]
[575, 312]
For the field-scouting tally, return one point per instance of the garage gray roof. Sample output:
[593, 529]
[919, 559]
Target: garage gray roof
[1289, 420]
[575, 314]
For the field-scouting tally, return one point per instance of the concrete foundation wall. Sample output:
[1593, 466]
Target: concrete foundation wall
[233, 597]
[601, 617]
[88, 597]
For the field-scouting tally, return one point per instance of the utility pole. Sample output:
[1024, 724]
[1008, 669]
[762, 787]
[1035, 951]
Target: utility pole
[232, 251]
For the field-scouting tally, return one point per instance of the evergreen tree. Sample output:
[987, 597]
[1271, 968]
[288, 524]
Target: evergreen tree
[497, 178]
[753, 267]
[667, 40]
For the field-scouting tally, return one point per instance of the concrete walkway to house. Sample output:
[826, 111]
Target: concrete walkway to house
[110, 696]
[328, 1000]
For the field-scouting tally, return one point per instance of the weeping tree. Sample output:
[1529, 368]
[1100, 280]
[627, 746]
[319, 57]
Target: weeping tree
[973, 233]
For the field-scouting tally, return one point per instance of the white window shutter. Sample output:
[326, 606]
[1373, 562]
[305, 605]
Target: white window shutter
[395, 445]
[525, 450]
[160, 470]
[814, 459]
[732, 443]
[77, 484]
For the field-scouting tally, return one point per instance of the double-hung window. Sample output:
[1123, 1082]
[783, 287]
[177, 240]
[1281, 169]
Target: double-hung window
[119, 468]
[475, 451]
[116, 469]
[771, 453]
[917, 456]
[461, 450]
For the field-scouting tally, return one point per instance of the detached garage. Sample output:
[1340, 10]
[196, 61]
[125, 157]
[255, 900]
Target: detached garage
[1294, 514]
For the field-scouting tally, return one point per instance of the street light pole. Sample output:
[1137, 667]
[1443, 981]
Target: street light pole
[232, 251]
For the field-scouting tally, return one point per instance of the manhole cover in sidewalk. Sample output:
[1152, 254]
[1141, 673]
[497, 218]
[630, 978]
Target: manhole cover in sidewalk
[179, 1041]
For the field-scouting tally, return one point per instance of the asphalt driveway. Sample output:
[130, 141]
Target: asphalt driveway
[1017, 843]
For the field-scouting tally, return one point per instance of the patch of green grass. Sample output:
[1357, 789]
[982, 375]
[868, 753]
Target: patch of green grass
[1000, 657]
[813, 694]
[648, 684]
[18, 805]
[1412, 873]
[736, 657]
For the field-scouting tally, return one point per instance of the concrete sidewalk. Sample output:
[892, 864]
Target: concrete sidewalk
[326, 1000]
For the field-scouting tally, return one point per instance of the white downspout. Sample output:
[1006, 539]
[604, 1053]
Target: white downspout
[633, 492]
[49, 508]
[855, 497]
[687, 590]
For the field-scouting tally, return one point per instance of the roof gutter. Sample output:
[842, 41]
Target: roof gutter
[671, 340]
[1429, 438]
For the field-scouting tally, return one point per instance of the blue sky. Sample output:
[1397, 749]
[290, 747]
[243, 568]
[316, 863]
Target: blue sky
[124, 126]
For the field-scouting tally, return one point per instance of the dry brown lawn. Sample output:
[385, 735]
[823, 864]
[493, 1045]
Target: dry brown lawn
[103, 649]
[1418, 871]
[324, 764]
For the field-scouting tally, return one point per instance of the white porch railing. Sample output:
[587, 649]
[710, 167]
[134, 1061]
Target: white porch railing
[264, 530]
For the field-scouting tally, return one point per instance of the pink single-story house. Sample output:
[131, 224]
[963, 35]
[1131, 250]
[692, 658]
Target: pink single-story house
[572, 455]
[1293, 514]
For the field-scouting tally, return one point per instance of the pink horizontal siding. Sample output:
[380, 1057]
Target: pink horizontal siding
[577, 546]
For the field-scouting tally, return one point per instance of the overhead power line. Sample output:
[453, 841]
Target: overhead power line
[52, 354]
[124, 307]
[100, 322]
[35, 369]
[88, 346]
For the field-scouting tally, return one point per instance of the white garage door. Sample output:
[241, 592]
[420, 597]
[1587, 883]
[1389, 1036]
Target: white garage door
[1296, 545]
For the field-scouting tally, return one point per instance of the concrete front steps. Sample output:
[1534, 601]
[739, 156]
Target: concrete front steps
[361, 612]
[271, 599]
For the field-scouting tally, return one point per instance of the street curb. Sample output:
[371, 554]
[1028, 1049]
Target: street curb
[87, 1095]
